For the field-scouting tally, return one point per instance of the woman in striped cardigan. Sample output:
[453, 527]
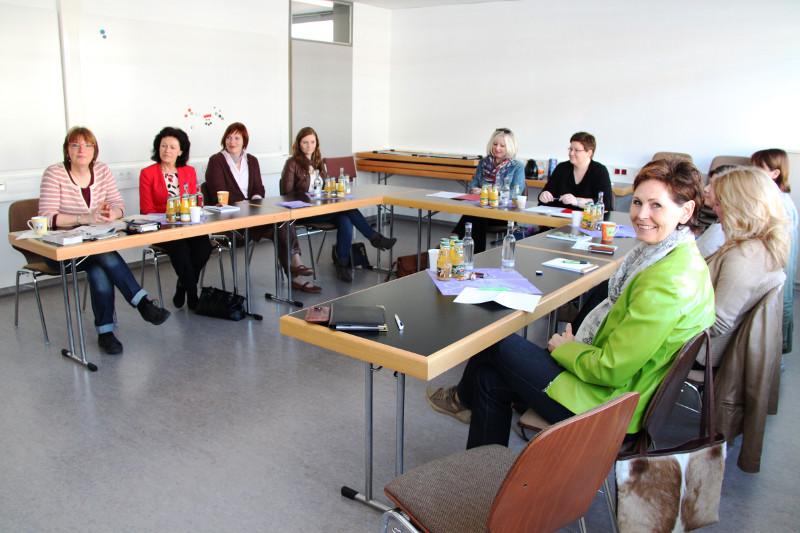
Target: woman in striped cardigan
[82, 191]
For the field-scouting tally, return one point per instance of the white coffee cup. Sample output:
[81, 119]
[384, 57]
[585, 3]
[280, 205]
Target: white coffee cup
[38, 225]
[521, 201]
[433, 258]
[577, 216]
[195, 213]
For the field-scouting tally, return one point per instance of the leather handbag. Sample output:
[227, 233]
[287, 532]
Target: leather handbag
[406, 265]
[675, 489]
[218, 303]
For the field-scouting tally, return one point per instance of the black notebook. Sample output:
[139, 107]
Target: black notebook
[357, 317]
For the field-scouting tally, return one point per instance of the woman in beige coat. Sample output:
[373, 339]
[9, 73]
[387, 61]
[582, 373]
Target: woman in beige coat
[750, 263]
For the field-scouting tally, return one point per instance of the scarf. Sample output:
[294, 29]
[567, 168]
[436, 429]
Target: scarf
[637, 260]
[491, 169]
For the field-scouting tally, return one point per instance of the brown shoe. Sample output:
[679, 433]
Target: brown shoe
[300, 270]
[305, 287]
[444, 401]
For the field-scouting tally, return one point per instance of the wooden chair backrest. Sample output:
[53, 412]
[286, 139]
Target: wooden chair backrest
[720, 160]
[19, 213]
[670, 155]
[333, 164]
[662, 402]
[557, 475]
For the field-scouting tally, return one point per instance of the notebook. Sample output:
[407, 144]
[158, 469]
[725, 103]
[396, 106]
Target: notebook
[580, 267]
[357, 317]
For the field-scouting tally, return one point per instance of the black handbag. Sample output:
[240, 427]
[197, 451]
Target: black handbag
[358, 256]
[218, 303]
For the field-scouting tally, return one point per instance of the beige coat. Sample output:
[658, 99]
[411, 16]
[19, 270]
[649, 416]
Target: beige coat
[747, 382]
[741, 278]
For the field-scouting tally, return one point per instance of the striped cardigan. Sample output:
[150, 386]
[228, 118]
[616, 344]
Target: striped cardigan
[59, 194]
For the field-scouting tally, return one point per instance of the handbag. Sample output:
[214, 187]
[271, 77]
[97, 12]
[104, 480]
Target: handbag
[674, 489]
[406, 265]
[358, 256]
[218, 303]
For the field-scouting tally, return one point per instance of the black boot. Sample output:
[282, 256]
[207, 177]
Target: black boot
[380, 242]
[343, 270]
[180, 296]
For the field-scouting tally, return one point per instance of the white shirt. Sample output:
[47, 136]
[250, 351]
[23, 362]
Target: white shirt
[241, 175]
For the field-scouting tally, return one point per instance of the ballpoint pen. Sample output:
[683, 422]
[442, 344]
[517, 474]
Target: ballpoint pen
[400, 325]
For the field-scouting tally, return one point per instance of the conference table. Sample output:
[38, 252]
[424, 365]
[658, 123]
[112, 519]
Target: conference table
[247, 216]
[249, 213]
[440, 334]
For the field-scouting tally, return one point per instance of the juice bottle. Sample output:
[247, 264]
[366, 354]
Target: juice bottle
[340, 187]
[459, 266]
[444, 266]
[485, 195]
[185, 204]
[494, 196]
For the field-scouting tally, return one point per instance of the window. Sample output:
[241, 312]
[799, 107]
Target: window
[322, 20]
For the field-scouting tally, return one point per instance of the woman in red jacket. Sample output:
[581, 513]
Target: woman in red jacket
[168, 177]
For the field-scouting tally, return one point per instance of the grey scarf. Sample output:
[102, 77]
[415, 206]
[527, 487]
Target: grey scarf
[638, 259]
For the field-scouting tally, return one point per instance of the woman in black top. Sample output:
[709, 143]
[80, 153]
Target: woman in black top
[575, 183]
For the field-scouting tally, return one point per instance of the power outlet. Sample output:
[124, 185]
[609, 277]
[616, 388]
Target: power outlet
[2, 185]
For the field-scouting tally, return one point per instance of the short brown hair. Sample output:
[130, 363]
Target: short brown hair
[236, 127]
[682, 180]
[586, 139]
[72, 135]
[774, 159]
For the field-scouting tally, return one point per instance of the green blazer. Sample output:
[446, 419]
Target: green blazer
[662, 307]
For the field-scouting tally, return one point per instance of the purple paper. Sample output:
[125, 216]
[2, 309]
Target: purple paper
[295, 204]
[511, 280]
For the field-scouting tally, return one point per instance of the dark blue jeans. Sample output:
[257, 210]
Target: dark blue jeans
[344, 222]
[513, 370]
[104, 272]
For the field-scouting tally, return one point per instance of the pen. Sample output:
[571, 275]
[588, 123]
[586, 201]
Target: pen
[573, 262]
[400, 325]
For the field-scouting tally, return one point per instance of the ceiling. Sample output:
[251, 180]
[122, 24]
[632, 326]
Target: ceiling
[409, 4]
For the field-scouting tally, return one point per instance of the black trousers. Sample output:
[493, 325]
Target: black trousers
[188, 257]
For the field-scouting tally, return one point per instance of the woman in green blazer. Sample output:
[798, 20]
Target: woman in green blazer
[659, 298]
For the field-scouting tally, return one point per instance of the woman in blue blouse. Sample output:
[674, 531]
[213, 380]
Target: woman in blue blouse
[498, 166]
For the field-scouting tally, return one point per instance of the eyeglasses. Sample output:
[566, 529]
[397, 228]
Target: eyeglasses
[504, 130]
[77, 146]
[571, 150]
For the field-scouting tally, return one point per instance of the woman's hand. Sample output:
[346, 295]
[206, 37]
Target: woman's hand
[570, 199]
[557, 340]
[545, 197]
[476, 190]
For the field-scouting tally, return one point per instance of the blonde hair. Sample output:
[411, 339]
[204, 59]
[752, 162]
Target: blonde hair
[508, 137]
[752, 209]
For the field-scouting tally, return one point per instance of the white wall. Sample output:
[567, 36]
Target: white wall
[372, 78]
[696, 76]
[322, 89]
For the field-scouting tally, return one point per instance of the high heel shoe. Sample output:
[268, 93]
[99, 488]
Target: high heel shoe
[380, 242]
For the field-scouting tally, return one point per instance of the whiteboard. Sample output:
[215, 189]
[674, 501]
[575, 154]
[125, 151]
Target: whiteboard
[132, 68]
[31, 89]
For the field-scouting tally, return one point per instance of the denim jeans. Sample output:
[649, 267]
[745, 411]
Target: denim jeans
[344, 222]
[513, 370]
[104, 272]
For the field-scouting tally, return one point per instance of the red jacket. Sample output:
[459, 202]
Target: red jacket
[153, 190]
